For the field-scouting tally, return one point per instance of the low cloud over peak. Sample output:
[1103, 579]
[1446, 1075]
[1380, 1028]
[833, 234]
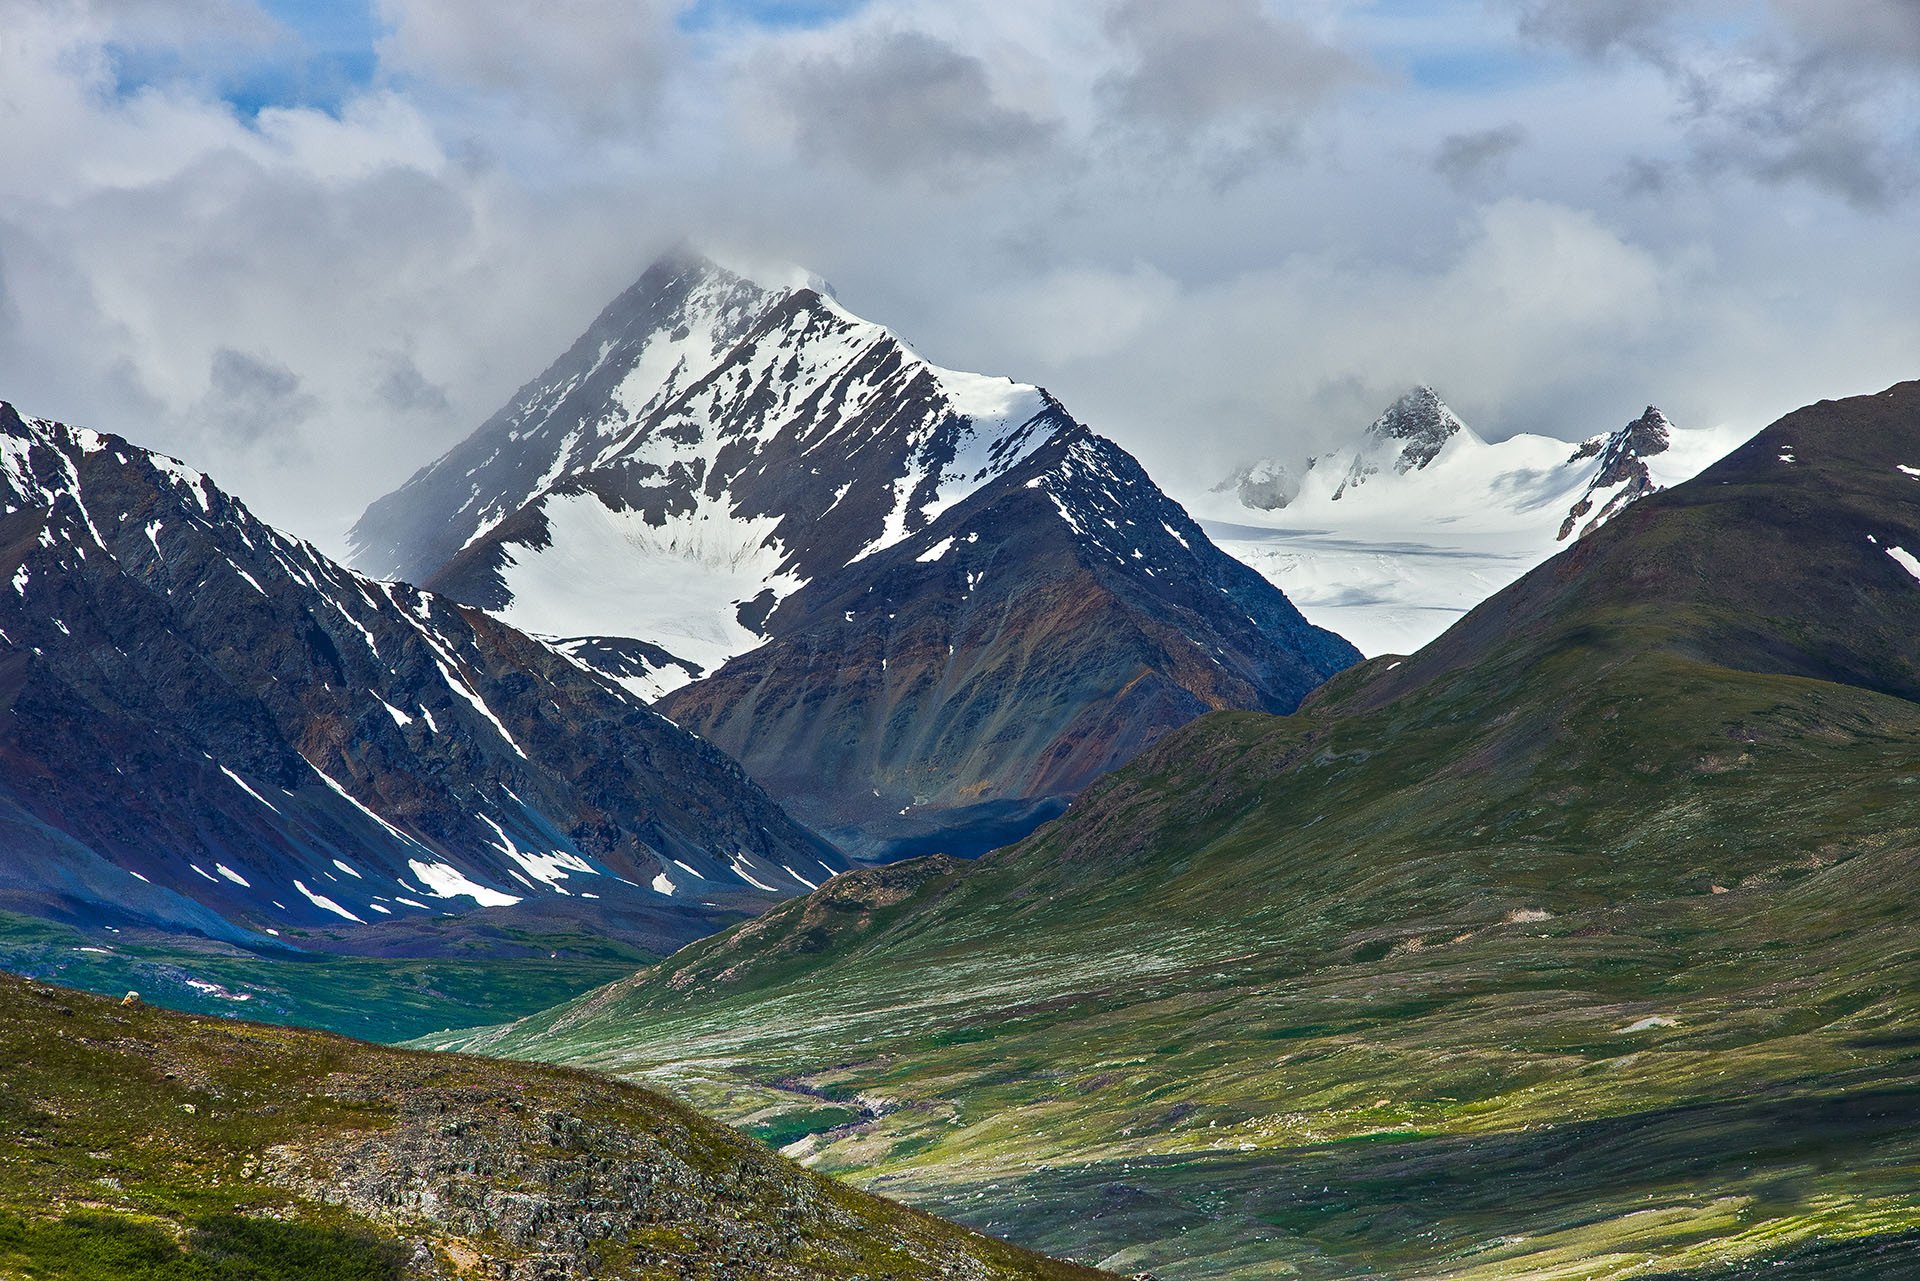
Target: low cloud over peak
[1202, 225]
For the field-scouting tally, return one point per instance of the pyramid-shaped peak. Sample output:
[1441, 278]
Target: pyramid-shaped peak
[1421, 422]
[690, 265]
[1417, 412]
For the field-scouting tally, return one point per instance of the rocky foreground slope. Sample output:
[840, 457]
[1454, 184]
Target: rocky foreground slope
[140, 1145]
[1578, 944]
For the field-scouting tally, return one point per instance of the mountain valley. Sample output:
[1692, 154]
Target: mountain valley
[1316, 992]
[1577, 944]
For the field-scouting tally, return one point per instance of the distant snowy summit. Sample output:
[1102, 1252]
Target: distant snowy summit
[1623, 473]
[1392, 537]
[1406, 438]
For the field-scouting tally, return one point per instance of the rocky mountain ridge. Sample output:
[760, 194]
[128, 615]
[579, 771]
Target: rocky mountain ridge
[211, 727]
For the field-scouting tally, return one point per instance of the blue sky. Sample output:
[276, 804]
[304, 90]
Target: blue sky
[331, 52]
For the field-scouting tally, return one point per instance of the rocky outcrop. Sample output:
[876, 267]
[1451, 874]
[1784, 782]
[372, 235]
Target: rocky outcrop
[1622, 470]
[196, 1147]
[1406, 438]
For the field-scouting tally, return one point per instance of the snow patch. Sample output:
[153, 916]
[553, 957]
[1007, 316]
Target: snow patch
[740, 869]
[1649, 1023]
[550, 869]
[479, 705]
[443, 880]
[678, 585]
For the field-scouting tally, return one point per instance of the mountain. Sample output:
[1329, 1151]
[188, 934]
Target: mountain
[1575, 944]
[1392, 538]
[210, 728]
[706, 448]
[148, 1146]
[922, 607]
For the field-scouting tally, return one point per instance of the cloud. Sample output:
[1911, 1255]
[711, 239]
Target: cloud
[403, 389]
[1466, 158]
[1220, 67]
[903, 102]
[1870, 32]
[1820, 94]
[1598, 27]
[599, 64]
[1083, 313]
[1086, 196]
[181, 23]
[252, 398]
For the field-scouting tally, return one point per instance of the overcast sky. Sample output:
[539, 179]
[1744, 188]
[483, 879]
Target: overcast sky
[307, 246]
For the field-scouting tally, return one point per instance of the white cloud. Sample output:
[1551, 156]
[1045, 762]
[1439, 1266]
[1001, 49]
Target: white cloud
[601, 63]
[1201, 64]
[314, 302]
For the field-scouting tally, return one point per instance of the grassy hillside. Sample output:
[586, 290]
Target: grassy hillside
[1579, 945]
[142, 1145]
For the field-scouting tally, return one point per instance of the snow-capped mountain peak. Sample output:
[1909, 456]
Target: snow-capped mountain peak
[1407, 437]
[659, 336]
[1422, 424]
[1390, 540]
[710, 446]
[921, 606]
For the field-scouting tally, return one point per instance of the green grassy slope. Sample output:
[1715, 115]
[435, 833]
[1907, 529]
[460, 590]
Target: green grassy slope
[143, 1145]
[1581, 944]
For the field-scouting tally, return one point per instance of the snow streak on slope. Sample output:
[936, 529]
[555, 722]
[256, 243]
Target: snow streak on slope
[1392, 562]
